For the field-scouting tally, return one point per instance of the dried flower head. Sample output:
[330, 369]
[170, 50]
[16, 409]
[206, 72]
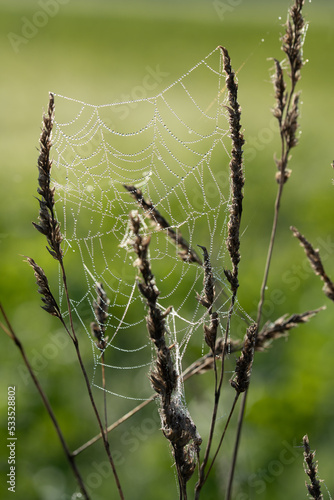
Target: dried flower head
[176, 422]
[50, 304]
[206, 300]
[244, 364]
[290, 124]
[98, 327]
[293, 39]
[280, 91]
[316, 264]
[48, 224]
[311, 470]
[287, 103]
[237, 176]
[281, 327]
[208, 282]
[270, 331]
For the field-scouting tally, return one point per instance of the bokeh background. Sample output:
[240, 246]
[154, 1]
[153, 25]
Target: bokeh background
[98, 52]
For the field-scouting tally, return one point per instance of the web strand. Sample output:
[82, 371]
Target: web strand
[170, 147]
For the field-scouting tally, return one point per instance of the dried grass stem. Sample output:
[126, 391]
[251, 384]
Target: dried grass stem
[312, 471]
[244, 363]
[177, 424]
[186, 253]
[48, 223]
[316, 264]
[236, 169]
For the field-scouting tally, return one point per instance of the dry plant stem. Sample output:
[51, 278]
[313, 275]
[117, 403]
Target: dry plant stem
[286, 112]
[241, 383]
[98, 329]
[312, 471]
[70, 457]
[98, 418]
[91, 397]
[177, 425]
[49, 226]
[217, 393]
[236, 447]
[233, 239]
[186, 253]
[236, 176]
[207, 300]
[223, 435]
[104, 397]
[270, 252]
[69, 308]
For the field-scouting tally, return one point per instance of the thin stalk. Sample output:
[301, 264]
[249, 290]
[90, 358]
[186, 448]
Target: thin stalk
[104, 439]
[182, 485]
[70, 457]
[236, 447]
[286, 112]
[259, 316]
[104, 396]
[113, 426]
[270, 251]
[69, 308]
[233, 237]
[49, 226]
[91, 397]
[217, 394]
[223, 434]
[201, 478]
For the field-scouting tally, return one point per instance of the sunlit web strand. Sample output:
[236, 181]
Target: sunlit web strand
[171, 147]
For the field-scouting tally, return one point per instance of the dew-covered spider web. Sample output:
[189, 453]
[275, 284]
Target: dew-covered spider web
[172, 150]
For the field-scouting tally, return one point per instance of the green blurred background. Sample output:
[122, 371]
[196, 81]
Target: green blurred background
[97, 52]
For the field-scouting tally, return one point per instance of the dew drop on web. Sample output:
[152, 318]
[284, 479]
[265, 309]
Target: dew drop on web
[152, 150]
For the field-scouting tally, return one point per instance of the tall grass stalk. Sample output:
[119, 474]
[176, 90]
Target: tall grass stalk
[286, 112]
[165, 376]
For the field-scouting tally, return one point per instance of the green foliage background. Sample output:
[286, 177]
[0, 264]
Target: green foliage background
[97, 52]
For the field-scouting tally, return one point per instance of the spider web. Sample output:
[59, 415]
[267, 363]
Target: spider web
[170, 147]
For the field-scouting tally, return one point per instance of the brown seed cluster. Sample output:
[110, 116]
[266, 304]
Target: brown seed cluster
[281, 327]
[316, 264]
[48, 224]
[287, 103]
[236, 169]
[292, 40]
[206, 300]
[98, 327]
[312, 471]
[177, 424]
[244, 363]
[50, 304]
[269, 332]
